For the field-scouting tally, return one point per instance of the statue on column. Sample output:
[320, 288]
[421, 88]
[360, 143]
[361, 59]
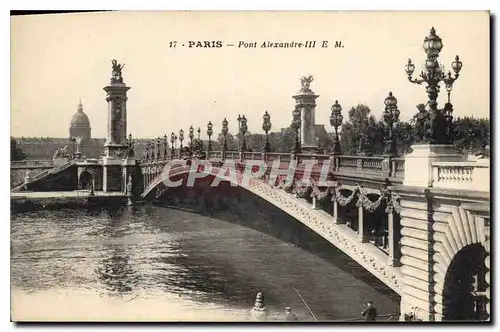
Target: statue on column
[305, 81]
[116, 72]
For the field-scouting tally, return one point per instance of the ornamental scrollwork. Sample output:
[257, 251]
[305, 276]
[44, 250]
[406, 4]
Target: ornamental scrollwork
[329, 231]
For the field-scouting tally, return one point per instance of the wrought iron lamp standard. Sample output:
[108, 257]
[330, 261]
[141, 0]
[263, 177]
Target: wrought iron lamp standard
[242, 125]
[181, 138]
[266, 126]
[239, 132]
[158, 145]
[147, 151]
[224, 134]
[210, 133]
[153, 149]
[130, 146]
[191, 136]
[173, 138]
[390, 117]
[165, 146]
[296, 123]
[336, 119]
[434, 126]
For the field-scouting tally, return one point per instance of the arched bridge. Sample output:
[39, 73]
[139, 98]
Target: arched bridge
[411, 238]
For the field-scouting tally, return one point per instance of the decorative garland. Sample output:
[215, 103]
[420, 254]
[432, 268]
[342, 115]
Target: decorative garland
[392, 201]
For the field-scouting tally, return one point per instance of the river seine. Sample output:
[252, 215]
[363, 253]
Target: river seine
[154, 263]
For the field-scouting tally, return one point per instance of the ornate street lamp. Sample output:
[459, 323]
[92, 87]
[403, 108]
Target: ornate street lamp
[390, 118]
[153, 149]
[181, 138]
[147, 150]
[209, 133]
[173, 138]
[242, 129]
[433, 76]
[336, 121]
[191, 136]
[158, 147]
[224, 134]
[296, 123]
[130, 146]
[239, 132]
[266, 126]
[165, 146]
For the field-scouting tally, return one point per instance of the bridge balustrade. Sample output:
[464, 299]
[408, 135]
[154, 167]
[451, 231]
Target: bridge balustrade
[461, 175]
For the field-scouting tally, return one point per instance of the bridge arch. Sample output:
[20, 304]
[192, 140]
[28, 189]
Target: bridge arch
[461, 262]
[369, 257]
[84, 179]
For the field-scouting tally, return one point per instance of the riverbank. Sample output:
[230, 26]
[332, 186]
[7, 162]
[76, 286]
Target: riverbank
[54, 200]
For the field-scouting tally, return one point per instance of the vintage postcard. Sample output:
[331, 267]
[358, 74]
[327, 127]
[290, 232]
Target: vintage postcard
[250, 166]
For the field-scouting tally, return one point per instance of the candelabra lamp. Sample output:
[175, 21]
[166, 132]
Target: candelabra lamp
[433, 125]
[130, 146]
[181, 138]
[266, 126]
[173, 138]
[242, 124]
[191, 136]
[224, 135]
[390, 117]
[336, 121]
[210, 132]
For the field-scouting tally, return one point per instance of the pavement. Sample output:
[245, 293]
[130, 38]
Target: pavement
[55, 194]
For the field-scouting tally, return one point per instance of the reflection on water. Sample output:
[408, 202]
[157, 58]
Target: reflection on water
[116, 272]
[153, 263]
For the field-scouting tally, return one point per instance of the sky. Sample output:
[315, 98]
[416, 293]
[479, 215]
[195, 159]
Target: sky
[58, 59]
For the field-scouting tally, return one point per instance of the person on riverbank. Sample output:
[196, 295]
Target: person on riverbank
[290, 316]
[370, 313]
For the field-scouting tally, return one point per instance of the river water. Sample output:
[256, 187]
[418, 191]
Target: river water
[154, 263]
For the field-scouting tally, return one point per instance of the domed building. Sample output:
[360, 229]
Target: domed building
[80, 124]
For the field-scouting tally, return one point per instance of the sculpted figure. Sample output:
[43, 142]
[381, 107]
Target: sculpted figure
[116, 71]
[421, 121]
[305, 81]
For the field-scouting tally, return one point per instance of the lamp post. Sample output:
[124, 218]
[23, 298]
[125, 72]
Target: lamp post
[130, 146]
[153, 149]
[296, 123]
[242, 125]
[239, 132]
[147, 151]
[173, 138]
[433, 76]
[158, 145]
[224, 135]
[266, 126]
[191, 136]
[390, 117]
[336, 121]
[165, 147]
[181, 138]
[209, 133]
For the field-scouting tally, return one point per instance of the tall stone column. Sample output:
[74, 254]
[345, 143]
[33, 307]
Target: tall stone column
[116, 146]
[305, 101]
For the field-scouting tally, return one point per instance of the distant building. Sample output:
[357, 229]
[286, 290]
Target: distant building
[44, 147]
[80, 124]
